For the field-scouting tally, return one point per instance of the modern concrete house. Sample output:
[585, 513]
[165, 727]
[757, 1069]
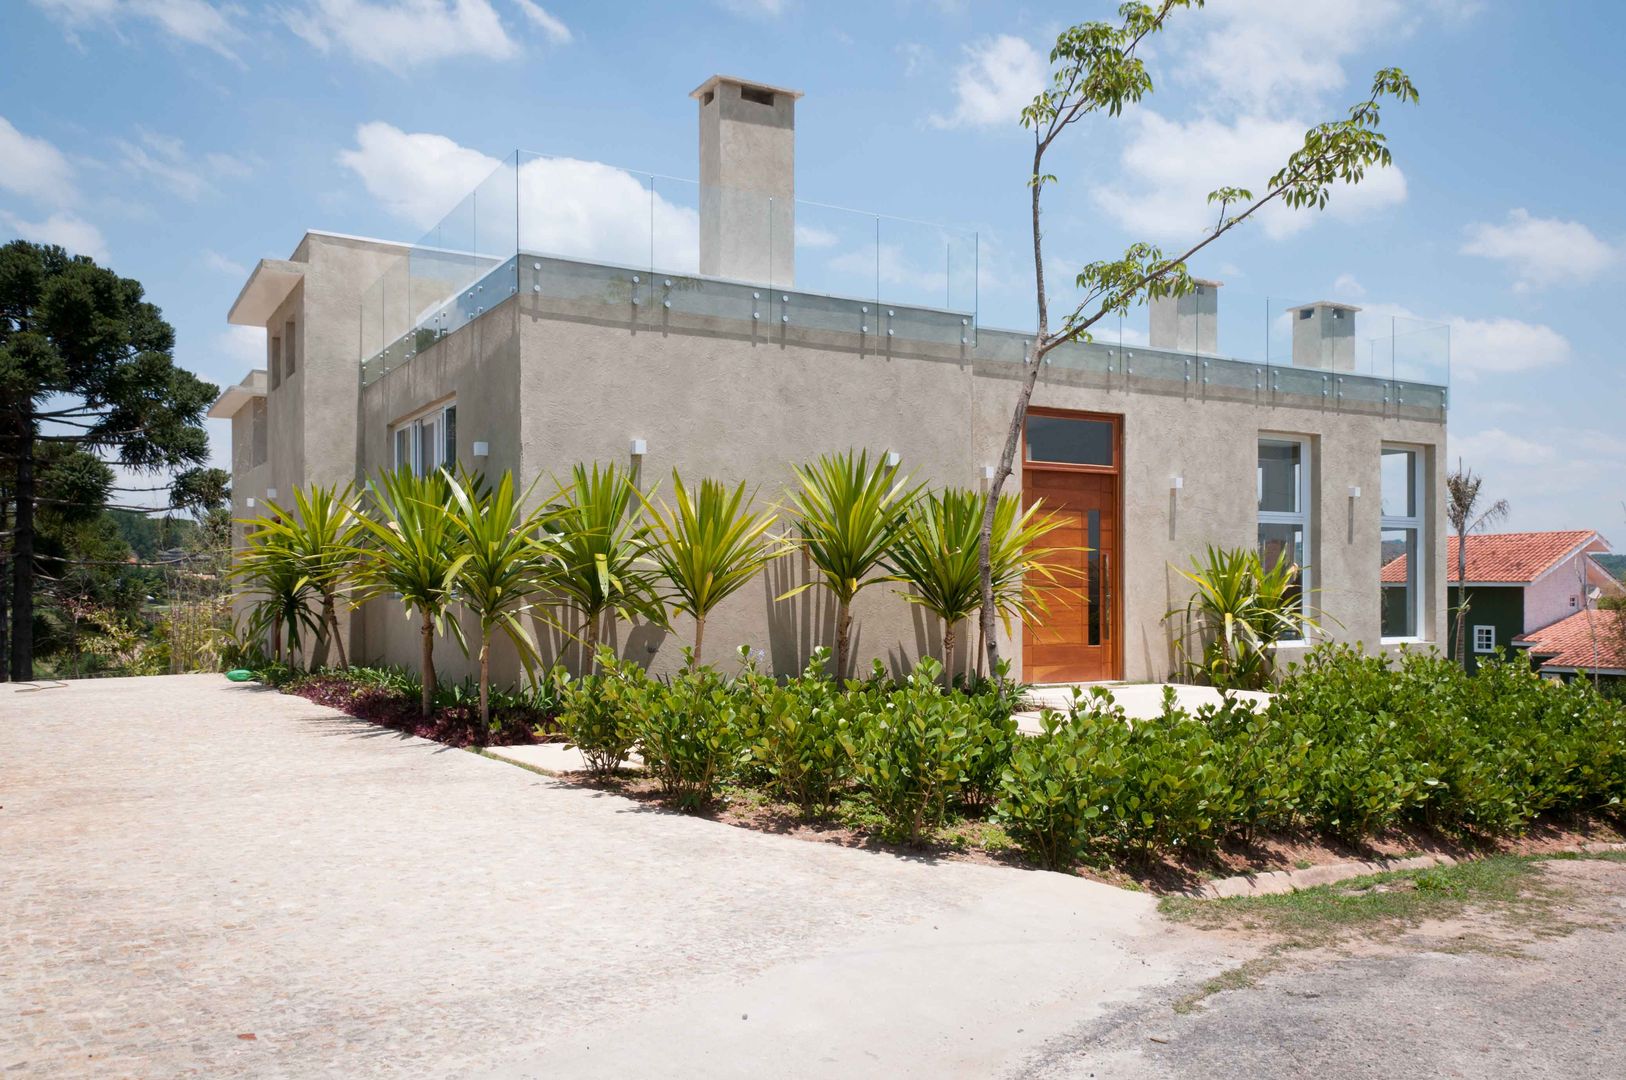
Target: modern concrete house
[727, 329]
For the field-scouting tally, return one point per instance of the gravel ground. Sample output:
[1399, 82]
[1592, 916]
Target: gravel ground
[1544, 1001]
[199, 878]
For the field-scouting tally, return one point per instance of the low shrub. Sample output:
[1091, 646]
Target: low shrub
[593, 711]
[1058, 792]
[911, 749]
[688, 732]
[797, 740]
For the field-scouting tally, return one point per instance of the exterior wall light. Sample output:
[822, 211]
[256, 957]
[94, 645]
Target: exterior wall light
[640, 447]
[1176, 483]
[1354, 491]
[892, 458]
[482, 449]
[249, 502]
[270, 493]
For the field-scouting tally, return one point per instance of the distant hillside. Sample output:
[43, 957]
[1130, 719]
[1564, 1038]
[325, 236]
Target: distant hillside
[148, 535]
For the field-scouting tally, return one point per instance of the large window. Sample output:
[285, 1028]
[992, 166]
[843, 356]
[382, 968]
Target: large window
[1284, 507]
[1401, 556]
[428, 441]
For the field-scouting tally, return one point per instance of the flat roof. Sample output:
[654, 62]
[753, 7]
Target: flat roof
[234, 397]
[268, 285]
[715, 79]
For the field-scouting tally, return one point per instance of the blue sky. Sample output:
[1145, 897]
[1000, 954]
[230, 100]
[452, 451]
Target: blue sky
[180, 140]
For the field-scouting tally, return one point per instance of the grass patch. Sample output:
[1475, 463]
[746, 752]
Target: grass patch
[1244, 976]
[1510, 884]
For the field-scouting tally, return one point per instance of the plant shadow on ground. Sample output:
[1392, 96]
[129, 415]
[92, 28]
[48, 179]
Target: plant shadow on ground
[848, 824]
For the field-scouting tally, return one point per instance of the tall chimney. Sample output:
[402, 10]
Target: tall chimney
[1324, 336]
[1189, 323]
[748, 181]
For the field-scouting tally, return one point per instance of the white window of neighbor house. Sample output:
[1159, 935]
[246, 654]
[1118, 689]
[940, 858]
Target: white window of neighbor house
[1284, 506]
[1401, 537]
[1484, 639]
[426, 442]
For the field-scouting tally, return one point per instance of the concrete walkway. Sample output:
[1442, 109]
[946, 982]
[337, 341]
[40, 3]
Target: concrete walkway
[1140, 701]
[204, 878]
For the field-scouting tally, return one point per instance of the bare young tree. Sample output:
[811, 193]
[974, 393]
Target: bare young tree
[1096, 68]
[1464, 511]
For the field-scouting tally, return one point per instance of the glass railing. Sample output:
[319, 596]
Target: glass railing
[567, 232]
[549, 208]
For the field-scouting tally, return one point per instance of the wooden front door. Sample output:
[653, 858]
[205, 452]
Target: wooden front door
[1075, 638]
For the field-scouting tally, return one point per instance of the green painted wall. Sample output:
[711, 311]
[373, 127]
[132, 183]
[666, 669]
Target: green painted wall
[1498, 606]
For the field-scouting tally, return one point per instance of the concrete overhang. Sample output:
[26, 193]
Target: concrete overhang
[267, 287]
[235, 397]
[711, 84]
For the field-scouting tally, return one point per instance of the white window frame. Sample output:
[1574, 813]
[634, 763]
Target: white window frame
[1299, 518]
[1488, 645]
[443, 417]
[1417, 559]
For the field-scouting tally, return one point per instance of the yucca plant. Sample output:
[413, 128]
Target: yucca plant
[596, 539]
[936, 555]
[1240, 610]
[282, 596]
[415, 555]
[322, 532]
[707, 545]
[500, 569]
[849, 512]
[1019, 558]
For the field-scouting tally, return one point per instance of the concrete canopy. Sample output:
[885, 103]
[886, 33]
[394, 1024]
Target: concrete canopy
[267, 287]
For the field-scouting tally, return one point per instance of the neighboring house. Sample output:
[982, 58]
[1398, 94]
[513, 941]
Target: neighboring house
[1589, 641]
[1615, 564]
[726, 329]
[1519, 583]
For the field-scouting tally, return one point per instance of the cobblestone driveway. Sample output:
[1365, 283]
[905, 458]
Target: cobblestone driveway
[200, 878]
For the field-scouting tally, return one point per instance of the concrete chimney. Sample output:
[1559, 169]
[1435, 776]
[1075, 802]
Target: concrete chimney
[748, 181]
[1324, 336]
[1189, 323]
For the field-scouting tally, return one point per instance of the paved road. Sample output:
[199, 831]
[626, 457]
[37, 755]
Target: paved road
[202, 878]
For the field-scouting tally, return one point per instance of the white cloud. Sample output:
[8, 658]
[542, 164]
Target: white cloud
[756, 9]
[811, 236]
[192, 22]
[915, 56]
[76, 234]
[1494, 447]
[1541, 251]
[1347, 288]
[163, 158]
[1501, 346]
[404, 33]
[221, 264]
[241, 347]
[1271, 57]
[1169, 167]
[418, 177]
[999, 78]
[567, 207]
[33, 168]
[551, 26]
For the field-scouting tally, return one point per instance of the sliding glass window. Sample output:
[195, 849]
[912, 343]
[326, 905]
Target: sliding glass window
[1284, 507]
[1402, 554]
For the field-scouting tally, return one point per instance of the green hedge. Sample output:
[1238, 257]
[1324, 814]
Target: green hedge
[1351, 745]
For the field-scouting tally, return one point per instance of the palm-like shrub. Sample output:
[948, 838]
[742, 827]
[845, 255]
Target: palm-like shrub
[1240, 610]
[1020, 560]
[322, 533]
[596, 539]
[499, 568]
[936, 555]
[282, 598]
[849, 513]
[414, 554]
[707, 545]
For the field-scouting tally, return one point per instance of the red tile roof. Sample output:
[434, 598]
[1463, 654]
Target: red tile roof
[1514, 558]
[1569, 642]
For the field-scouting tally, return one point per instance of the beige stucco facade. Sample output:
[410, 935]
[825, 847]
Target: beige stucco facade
[562, 361]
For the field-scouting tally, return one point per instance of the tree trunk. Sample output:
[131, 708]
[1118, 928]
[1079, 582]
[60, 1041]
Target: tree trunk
[948, 652]
[590, 645]
[844, 633]
[485, 681]
[426, 665]
[276, 639]
[338, 638]
[22, 555]
[5, 605]
[319, 651]
[699, 637]
[985, 539]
